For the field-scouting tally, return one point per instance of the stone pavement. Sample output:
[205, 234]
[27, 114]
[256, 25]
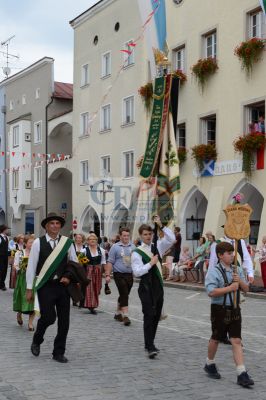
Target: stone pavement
[107, 360]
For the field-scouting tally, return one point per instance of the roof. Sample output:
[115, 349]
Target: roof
[63, 90]
[94, 5]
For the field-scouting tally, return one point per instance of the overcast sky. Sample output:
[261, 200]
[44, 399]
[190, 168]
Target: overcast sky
[42, 29]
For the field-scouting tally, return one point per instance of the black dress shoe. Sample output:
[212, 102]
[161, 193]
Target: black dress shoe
[35, 349]
[3, 288]
[60, 358]
[93, 311]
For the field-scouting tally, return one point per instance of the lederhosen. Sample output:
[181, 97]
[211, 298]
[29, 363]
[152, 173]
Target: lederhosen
[225, 318]
[54, 300]
[151, 295]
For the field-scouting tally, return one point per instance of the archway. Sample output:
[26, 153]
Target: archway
[60, 195]
[90, 221]
[254, 198]
[192, 215]
[119, 218]
[60, 138]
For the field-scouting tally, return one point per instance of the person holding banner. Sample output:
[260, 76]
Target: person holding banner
[47, 263]
[145, 265]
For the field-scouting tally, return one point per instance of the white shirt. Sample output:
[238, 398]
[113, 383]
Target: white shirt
[247, 262]
[163, 245]
[34, 258]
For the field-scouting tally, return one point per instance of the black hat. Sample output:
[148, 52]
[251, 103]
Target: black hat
[51, 217]
[3, 228]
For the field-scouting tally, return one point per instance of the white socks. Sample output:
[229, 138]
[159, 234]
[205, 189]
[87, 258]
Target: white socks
[209, 362]
[240, 369]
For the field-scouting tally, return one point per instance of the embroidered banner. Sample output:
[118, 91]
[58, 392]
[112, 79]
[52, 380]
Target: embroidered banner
[158, 120]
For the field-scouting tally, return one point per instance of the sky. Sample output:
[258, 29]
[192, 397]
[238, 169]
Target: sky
[41, 28]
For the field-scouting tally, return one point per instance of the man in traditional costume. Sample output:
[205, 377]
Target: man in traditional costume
[3, 255]
[47, 263]
[145, 262]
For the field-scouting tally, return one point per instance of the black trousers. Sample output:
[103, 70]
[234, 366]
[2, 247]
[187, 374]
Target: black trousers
[3, 270]
[124, 283]
[151, 307]
[54, 301]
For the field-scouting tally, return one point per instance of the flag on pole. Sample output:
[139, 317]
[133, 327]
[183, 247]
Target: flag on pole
[263, 6]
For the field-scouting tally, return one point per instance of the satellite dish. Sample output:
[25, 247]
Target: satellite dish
[6, 71]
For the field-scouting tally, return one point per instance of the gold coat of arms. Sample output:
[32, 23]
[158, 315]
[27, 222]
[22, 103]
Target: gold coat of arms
[237, 224]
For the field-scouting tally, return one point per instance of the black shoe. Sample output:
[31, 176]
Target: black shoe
[3, 288]
[35, 349]
[93, 311]
[152, 354]
[245, 380]
[119, 317]
[212, 371]
[60, 358]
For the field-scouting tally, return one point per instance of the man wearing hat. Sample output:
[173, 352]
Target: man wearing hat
[47, 263]
[3, 255]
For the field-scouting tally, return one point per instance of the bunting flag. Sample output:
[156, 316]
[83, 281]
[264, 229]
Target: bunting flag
[263, 6]
[60, 156]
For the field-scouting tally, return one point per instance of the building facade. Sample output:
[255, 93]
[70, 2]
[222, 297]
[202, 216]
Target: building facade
[2, 156]
[230, 103]
[31, 100]
[109, 120]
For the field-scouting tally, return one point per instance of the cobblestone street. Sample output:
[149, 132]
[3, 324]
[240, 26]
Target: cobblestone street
[107, 360]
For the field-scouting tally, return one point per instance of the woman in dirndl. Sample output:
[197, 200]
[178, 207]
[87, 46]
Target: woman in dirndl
[19, 245]
[96, 257]
[20, 304]
[80, 248]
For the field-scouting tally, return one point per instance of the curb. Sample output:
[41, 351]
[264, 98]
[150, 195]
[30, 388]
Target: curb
[200, 288]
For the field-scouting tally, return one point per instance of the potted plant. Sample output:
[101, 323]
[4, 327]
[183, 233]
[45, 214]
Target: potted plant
[146, 93]
[203, 153]
[203, 69]
[249, 52]
[182, 155]
[247, 145]
[178, 73]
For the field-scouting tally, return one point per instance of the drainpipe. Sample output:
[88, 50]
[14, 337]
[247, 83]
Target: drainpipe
[3, 110]
[46, 152]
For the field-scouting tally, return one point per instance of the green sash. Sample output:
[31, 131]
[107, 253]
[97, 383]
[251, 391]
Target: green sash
[52, 262]
[146, 259]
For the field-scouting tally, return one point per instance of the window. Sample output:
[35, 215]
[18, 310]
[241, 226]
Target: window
[128, 164]
[85, 75]
[209, 129]
[16, 136]
[38, 132]
[37, 177]
[129, 57]
[128, 110]
[106, 118]
[254, 115]
[37, 93]
[23, 99]
[106, 64]
[256, 24]
[15, 180]
[84, 124]
[11, 105]
[210, 44]
[179, 58]
[106, 164]
[181, 135]
[84, 172]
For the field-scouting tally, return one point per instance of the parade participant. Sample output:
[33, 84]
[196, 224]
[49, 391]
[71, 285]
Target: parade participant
[144, 262]
[79, 243]
[48, 261]
[20, 304]
[96, 257]
[18, 245]
[221, 282]
[246, 261]
[3, 255]
[120, 260]
[262, 259]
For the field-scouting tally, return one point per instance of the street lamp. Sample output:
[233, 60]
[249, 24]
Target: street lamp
[105, 186]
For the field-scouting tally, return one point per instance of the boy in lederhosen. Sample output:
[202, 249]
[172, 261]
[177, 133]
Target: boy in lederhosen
[221, 283]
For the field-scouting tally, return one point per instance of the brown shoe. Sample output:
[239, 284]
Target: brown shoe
[182, 279]
[118, 317]
[126, 321]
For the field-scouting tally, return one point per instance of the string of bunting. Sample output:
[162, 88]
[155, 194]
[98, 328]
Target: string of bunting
[47, 157]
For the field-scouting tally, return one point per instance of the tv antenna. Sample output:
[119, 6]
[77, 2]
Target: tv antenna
[6, 69]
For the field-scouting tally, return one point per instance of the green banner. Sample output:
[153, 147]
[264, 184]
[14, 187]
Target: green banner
[155, 131]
